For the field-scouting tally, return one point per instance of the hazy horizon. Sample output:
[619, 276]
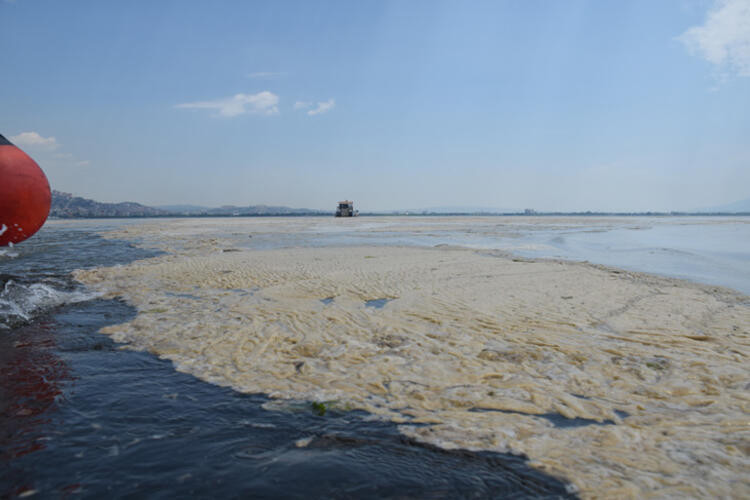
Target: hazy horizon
[738, 207]
[574, 106]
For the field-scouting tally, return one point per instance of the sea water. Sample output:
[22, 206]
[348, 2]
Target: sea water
[80, 415]
[709, 250]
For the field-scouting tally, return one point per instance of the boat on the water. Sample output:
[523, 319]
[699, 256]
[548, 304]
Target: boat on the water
[346, 209]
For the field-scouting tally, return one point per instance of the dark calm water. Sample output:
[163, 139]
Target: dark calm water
[78, 416]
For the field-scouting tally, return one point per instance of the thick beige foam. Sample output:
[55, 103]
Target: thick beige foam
[475, 345]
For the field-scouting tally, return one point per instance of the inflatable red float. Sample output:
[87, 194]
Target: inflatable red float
[25, 197]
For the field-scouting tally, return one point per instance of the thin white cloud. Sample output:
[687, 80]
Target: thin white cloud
[34, 140]
[266, 74]
[302, 104]
[322, 107]
[45, 151]
[724, 38]
[262, 103]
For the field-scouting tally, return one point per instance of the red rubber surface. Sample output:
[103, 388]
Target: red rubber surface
[25, 196]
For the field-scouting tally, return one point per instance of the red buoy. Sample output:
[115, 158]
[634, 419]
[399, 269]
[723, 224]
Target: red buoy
[25, 197]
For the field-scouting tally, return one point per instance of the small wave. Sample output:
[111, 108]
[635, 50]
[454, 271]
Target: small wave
[666, 251]
[8, 252]
[20, 303]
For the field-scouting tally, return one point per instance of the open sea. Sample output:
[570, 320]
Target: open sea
[80, 416]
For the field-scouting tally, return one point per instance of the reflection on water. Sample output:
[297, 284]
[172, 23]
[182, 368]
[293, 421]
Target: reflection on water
[31, 380]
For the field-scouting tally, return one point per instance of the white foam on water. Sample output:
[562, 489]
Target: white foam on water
[8, 252]
[20, 303]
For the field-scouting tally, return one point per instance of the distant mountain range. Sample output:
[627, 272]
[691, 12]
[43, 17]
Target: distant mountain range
[235, 210]
[182, 208]
[460, 210]
[742, 206]
[67, 206]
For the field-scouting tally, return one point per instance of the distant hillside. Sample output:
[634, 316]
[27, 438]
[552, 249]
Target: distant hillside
[182, 209]
[235, 210]
[742, 206]
[67, 206]
[260, 210]
[460, 210]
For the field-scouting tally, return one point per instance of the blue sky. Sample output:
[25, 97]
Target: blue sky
[569, 105]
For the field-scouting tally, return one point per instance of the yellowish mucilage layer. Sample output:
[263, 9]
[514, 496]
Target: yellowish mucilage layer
[473, 344]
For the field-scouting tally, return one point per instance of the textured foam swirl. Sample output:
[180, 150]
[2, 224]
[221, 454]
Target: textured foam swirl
[469, 350]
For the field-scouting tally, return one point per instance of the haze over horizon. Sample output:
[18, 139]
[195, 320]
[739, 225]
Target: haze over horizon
[566, 106]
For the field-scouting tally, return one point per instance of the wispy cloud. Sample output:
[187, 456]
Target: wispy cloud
[302, 104]
[724, 38]
[46, 151]
[34, 140]
[262, 75]
[262, 103]
[322, 107]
